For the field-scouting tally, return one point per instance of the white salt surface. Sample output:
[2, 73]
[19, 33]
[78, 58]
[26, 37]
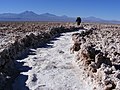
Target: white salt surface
[51, 68]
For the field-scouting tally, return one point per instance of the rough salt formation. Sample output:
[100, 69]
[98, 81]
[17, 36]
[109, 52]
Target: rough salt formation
[9, 31]
[99, 55]
[17, 38]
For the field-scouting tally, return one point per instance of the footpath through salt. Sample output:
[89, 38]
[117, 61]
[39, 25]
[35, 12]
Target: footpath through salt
[50, 68]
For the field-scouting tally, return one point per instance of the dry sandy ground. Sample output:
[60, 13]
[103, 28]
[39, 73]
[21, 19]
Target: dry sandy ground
[50, 68]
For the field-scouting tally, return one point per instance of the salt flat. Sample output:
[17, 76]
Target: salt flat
[51, 68]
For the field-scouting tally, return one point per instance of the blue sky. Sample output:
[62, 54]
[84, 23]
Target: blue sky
[105, 9]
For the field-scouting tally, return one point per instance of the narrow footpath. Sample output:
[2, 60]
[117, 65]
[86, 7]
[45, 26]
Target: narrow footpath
[50, 68]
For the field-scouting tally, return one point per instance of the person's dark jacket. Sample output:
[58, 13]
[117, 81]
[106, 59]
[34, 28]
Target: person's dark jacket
[78, 20]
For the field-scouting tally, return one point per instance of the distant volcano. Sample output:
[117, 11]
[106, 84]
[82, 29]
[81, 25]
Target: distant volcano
[31, 16]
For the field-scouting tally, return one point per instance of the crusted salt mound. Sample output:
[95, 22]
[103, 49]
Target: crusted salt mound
[98, 55]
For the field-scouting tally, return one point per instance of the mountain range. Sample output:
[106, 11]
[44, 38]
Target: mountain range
[31, 16]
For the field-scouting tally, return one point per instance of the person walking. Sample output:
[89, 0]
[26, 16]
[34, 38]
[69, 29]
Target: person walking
[78, 20]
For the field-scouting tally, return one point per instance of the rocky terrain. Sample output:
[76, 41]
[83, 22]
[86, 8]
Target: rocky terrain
[16, 40]
[98, 55]
[96, 46]
[9, 31]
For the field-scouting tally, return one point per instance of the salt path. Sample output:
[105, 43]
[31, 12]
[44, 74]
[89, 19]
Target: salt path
[50, 68]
